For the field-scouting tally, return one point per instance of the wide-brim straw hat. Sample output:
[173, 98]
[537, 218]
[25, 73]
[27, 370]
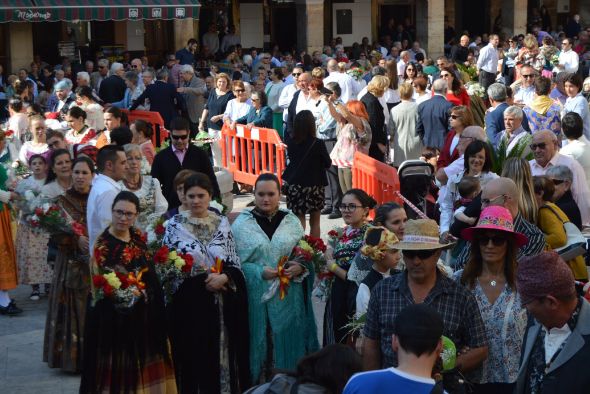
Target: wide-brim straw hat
[422, 234]
[498, 219]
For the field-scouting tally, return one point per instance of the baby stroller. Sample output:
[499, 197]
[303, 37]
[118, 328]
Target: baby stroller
[416, 179]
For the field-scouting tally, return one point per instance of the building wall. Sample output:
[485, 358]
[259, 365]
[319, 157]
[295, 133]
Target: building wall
[361, 21]
[251, 25]
[21, 45]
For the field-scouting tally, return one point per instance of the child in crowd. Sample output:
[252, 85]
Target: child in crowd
[469, 187]
[430, 155]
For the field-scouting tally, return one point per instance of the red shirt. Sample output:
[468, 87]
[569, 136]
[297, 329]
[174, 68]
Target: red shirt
[461, 99]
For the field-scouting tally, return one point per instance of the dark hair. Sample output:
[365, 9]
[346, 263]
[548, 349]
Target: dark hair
[191, 41]
[121, 136]
[15, 104]
[542, 86]
[572, 125]
[77, 112]
[181, 177]
[361, 195]
[262, 97]
[86, 91]
[268, 177]
[179, 123]
[330, 367]
[51, 175]
[545, 186]
[37, 156]
[418, 329]
[128, 196]
[473, 267]
[476, 147]
[144, 127]
[430, 152]
[198, 179]
[383, 210]
[36, 109]
[467, 186]
[304, 126]
[50, 133]
[87, 160]
[116, 112]
[456, 85]
[278, 71]
[576, 80]
[107, 153]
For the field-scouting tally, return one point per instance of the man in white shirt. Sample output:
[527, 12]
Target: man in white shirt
[545, 149]
[111, 164]
[526, 93]
[578, 146]
[404, 59]
[301, 101]
[288, 92]
[347, 84]
[569, 60]
[487, 63]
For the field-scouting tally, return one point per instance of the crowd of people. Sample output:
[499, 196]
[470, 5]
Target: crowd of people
[491, 276]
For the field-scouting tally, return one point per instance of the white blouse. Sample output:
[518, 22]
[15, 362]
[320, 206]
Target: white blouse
[235, 110]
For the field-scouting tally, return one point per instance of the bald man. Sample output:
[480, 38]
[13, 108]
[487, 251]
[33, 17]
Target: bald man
[301, 100]
[459, 52]
[503, 192]
[545, 148]
[350, 88]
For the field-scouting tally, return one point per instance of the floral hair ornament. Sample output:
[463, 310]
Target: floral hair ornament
[378, 240]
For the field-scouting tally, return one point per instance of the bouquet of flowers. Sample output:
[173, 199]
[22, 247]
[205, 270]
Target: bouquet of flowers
[124, 289]
[356, 73]
[324, 284]
[172, 269]
[555, 59]
[155, 234]
[50, 218]
[475, 89]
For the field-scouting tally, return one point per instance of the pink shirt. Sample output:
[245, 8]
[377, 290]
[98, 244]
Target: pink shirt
[179, 154]
[147, 148]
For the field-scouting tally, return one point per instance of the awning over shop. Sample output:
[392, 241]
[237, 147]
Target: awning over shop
[97, 10]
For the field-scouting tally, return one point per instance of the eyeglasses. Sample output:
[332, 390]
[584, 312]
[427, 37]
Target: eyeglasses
[239, 90]
[124, 214]
[296, 74]
[445, 75]
[349, 207]
[179, 137]
[557, 182]
[488, 201]
[497, 240]
[540, 145]
[255, 100]
[455, 117]
[133, 66]
[421, 254]
[463, 137]
[528, 75]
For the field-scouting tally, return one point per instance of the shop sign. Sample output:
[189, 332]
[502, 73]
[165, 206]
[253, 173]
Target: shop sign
[180, 13]
[156, 12]
[30, 15]
[134, 13]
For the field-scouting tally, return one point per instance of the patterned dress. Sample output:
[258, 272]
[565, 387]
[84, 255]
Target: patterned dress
[212, 325]
[152, 203]
[126, 348]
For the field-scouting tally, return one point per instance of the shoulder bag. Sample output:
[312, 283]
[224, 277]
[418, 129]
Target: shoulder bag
[576, 242]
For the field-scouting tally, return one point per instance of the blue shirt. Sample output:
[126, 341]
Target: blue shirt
[184, 56]
[388, 381]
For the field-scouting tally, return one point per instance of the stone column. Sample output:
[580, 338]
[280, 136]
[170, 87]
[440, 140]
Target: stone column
[310, 18]
[184, 30]
[514, 16]
[21, 45]
[430, 26]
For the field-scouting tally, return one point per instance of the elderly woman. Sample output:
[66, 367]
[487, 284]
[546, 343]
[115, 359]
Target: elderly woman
[402, 127]
[477, 163]
[578, 146]
[79, 132]
[239, 106]
[562, 178]
[192, 89]
[543, 113]
[490, 275]
[282, 324]
[273, 91]
[147, 189]
[550, 221]
[575, 102]
[94, 111]
[456, 93]
[259, 115]
[375, 89]
[460, 118]
[133, 91]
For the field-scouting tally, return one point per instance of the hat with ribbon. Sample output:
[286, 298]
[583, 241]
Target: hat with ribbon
[422, 234]
[495, 218]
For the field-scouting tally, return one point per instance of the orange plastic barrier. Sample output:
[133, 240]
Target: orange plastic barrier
[153, 118]
[247, 153]
[376, 178]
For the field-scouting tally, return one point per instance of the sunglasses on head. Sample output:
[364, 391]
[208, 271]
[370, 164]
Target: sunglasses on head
[421, 254]
[179, 137]
[497, 240]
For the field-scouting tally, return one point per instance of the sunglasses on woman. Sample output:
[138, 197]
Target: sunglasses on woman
[497, 240]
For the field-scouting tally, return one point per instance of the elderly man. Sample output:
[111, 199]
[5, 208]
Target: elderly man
[422, 282]
[65, 100]
[404, 60]
[514, 134]
[526, 93]
[494, 119]
[97, 77]
[433, 116]
[460, 51]
[545, 147]
[557, 345]
[83, 79]
[348, 85]
[301, 101]
[578, 146]
[89, 66]
[289, 91]
[136, 65]
[112, 88]
[503, 192]
[487, 62]
[193, 88]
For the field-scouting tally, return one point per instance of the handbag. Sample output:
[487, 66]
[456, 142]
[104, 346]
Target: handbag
[285, 183]
[576, 242]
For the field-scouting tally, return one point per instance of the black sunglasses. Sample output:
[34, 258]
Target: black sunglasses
[421, 254]
[497, 240]
[540, 145]
[179, 137]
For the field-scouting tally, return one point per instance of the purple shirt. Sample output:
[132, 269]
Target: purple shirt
[179, 154]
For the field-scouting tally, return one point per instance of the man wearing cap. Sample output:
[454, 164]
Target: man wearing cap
[423, 283]
[64, 100]
[417, 342]
[556, 351]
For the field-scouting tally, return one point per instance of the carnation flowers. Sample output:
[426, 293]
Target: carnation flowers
[125, 289]
[172, 269]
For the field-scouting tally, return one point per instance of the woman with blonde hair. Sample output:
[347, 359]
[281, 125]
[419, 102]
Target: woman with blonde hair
[519, 170]
[318, 72]
[530, 54]
[406, 142]
[375, 89]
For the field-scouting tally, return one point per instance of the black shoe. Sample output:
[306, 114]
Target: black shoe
[326, 211]
[10, 310]
[335, 215]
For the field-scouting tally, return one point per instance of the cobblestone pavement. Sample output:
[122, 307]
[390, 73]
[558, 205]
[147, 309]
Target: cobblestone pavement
[22, 370]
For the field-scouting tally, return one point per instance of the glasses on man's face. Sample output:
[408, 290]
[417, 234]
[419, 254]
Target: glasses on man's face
[528, 75]
[540, 145]
[349, 207]
[421, 254]
[179, 137]
[134, 66]
[497, 240]
[124, 214]
[489, 201]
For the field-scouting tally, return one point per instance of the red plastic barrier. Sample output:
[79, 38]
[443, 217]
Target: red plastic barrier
[247, 153]
[153, 118]
[376, 178]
